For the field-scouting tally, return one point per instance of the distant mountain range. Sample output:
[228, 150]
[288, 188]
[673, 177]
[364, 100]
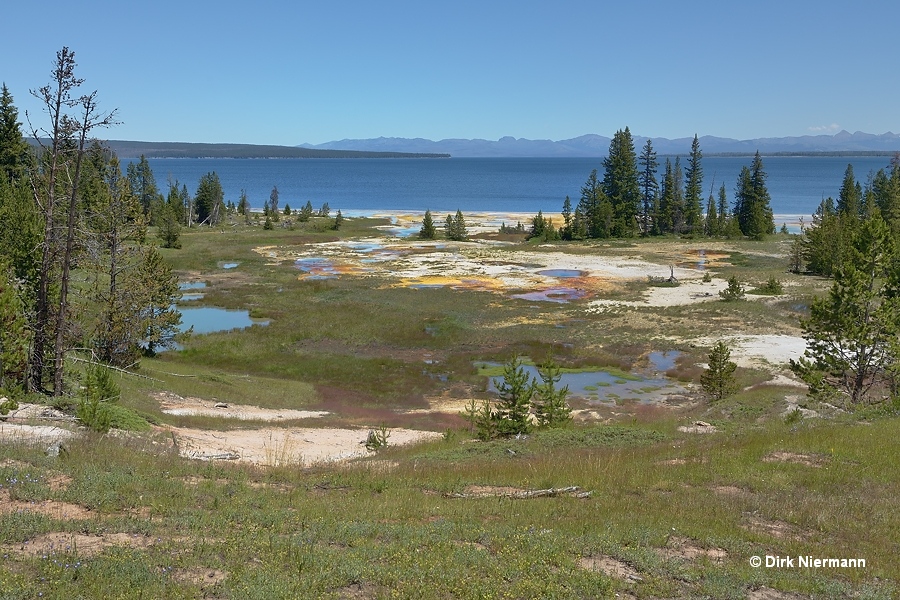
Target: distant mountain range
[592, 145]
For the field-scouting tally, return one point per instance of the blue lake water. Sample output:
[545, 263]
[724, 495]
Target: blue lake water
[209, 319]
[796, 184]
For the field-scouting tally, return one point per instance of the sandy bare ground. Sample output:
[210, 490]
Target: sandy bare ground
[36, 424]
[268, 446]
[762, 351]
[275, 446]
[174, 404]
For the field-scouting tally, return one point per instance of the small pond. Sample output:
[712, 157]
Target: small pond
[317, 267]
[230, 265]
[663, 361]
[208, 319]
[561, 273]
[191, 285]
[601, 387]
[556, 294]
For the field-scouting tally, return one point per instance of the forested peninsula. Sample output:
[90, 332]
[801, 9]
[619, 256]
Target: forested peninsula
[125, 149]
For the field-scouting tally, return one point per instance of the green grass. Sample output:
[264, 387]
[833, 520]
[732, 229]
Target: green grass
[389, 526]
[281, 530]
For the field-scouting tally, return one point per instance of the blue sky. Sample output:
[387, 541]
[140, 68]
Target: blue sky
[291, 72]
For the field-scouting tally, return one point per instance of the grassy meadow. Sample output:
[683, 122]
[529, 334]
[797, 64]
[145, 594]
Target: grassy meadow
[659, 512]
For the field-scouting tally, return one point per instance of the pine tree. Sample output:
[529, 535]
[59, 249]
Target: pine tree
[718, 378]
[693, 189]
[649, 186]
[620, 184]
[21, 231]
[455, 227]
[734, 291]
[549, 402]
[115, 242]
[143, 185]
[566, 231]
[514, 405]
[158, 316]
[169, 228]
[273, 202]
[853, 334]
[338, 220]
[826, 241]
[15, 336]
[14, 153]
[723, 226]
[243, 207]
[427, 232]
[850, 197]
[752, 201]
[678, 221]
[209, 199]
[711, 228]
[887, 194]
[306, 213]
[594, 209]
[325, 210]
[665, 222]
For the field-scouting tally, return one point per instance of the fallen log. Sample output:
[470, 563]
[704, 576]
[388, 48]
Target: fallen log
[572, 490]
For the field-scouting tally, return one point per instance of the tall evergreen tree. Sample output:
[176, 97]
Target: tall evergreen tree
[21, 232]
[621, 185]
[143, 185]
[886, 189]
[15, 336]
[116, 222]
[566, 231]
[209, 199]
[158, 316]
[718, 379]
[306, 213]
[649, 185]
[243, 207]
[455, 227]
[14, 154]
[722, 212]
[711, 226]
[850, 197]
[852, 334]
[273, 203]
[427, 232]
[752, 201]
[678, 224]
[594, 214]
[665, 223]
[693, 189]
[515, 390]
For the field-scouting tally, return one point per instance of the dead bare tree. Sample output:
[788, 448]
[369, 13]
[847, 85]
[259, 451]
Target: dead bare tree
[64, 142]
[56, 98]
[89, 120]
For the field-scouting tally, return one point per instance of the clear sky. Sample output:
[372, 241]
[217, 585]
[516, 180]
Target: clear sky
[271, 72]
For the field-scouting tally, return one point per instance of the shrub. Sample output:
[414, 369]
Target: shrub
[734, 291]
[97, 394]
